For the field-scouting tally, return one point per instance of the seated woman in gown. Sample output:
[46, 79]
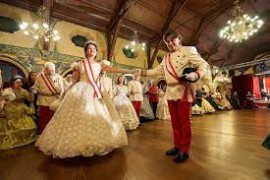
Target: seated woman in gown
[197, 104]
[17, 128]
[162, 106]
[86, 122]
[224, 102]
[211, 99]
[124, 106]
[206, 106]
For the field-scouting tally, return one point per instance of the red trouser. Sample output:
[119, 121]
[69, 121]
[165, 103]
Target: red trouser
[180, 116]
[137, 107]
[45, 115]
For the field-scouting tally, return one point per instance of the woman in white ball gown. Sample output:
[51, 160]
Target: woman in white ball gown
[124, 106]
[84, 123]
[162, 106]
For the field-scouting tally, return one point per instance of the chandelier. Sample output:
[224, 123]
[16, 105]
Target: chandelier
[135, 44]
[40, 29]
[241, 27]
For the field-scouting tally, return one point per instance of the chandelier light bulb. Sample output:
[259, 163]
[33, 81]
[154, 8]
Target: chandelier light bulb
[35, 26]
[26, 33]
[143, 44]
[45, 25]
[56, 38]
[133, 50]
[133, 43]
[36, 37]
[55, 32]
[23, 25]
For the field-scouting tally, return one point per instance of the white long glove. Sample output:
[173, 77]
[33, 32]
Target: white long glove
[192, 76]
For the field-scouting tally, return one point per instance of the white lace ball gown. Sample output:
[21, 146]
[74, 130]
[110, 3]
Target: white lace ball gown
[162, 107]
[82, 124]
[125, 108]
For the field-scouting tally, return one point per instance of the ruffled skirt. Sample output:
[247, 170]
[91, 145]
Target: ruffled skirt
[82, 125]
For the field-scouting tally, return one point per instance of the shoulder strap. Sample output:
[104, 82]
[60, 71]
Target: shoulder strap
[91, 78]
[171, 71]
[49, 84]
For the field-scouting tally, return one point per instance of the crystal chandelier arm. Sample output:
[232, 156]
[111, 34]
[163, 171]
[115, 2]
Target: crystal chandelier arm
[241, 27]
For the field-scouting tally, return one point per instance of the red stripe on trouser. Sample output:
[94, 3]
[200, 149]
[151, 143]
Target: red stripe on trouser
[45, 115]
[137, 107]
[180, 117]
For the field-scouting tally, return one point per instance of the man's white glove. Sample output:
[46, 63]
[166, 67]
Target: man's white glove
[192, 76]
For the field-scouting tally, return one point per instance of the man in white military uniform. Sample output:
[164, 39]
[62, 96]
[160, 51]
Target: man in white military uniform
[49, 86]
[135, 92]
[179, 93]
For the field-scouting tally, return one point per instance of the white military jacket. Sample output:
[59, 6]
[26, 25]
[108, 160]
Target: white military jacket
[185, 56]
[135, 91]
[45, 95]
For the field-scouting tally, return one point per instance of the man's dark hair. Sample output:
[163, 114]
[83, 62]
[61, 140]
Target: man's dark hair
[172, 34]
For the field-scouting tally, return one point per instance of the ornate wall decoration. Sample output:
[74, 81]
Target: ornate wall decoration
[8, 25]
[33, 58]
[79, 40]
[129, 53]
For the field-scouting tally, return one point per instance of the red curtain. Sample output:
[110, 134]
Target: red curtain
[267, 83]
[243, 84]
[256, 87]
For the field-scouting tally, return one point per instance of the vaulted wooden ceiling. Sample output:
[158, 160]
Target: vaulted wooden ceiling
[198, 20]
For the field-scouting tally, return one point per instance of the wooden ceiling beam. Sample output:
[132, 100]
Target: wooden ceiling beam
[98, 7]
[176, 6]
[82, 11]
[74, 15]
[113, 27]
[126, 23]
[25, 4]
[192, 12]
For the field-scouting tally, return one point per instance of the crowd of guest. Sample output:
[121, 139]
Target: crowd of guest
[27, 105]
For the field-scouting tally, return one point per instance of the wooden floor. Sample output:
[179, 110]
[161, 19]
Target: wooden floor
[225, 145]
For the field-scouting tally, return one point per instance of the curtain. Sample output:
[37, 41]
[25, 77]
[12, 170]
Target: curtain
[267, 83]
[256, 87]
[244, 83]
